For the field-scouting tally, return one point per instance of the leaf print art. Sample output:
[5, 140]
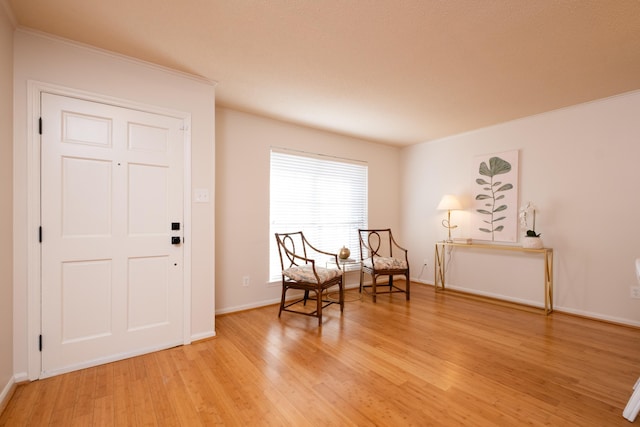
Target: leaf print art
[493, 206]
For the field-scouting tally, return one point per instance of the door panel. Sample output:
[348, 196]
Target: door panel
[148, 200]
[112, 184]
[148, 292]
[90, 303]
[86, 209]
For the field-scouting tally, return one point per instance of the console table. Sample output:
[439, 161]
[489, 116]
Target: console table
[547, 253]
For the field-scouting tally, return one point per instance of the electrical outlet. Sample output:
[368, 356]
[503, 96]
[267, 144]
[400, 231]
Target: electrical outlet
[635, 292]
[245, 280]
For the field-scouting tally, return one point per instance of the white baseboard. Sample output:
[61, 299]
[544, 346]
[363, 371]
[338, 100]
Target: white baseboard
[597, 316]
[20, 377]
[492, 295]
[559, 309]
[265, 303]
[243, 307]
[7, 392]
[203, 336]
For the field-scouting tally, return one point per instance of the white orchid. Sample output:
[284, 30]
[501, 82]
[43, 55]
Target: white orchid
[526, 212]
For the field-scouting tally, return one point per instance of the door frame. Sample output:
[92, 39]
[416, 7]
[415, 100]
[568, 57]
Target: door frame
[34, 255]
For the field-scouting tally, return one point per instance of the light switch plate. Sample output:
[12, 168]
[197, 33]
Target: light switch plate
[201, 195]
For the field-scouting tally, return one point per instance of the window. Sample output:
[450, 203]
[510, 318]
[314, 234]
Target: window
[324, 197]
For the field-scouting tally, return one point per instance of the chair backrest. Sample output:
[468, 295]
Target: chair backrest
[376, 242]
[292, 248]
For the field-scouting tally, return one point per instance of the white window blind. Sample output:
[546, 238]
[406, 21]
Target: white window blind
[324, 197]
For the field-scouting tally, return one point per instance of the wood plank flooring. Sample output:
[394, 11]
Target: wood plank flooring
[437, 360]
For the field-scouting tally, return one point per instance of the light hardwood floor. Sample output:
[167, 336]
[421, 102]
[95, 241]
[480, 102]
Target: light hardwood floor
[438, 360]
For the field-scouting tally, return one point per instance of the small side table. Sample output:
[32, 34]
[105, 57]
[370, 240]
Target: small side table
[348, 264]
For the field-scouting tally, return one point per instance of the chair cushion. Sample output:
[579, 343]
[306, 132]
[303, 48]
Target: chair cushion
[386, 263]
[304, 273]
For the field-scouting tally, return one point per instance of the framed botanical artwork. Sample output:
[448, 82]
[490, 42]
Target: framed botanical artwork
[494, 213]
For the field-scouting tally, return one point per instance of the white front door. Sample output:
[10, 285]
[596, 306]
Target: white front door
[112, 200]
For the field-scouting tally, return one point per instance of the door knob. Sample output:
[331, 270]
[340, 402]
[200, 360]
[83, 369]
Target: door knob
[175, 240]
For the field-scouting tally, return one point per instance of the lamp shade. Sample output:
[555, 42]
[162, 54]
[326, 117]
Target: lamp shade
[449, 203]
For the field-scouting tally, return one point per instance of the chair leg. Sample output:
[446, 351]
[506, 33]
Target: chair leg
[319, 306]
[306, 297]
[408, 285]
[373, 287]
[284, 293]
[341, 296]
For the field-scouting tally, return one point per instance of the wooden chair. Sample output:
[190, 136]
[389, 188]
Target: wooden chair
[302, 269]
[382, 256]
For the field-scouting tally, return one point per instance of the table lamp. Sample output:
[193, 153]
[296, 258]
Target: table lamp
[449, 203]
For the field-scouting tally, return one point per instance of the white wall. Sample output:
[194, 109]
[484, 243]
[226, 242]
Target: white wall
[580, 166]
[57, 62]
[6, 216]
[243, 144]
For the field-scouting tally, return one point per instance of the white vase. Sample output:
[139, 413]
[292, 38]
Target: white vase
[532, 242]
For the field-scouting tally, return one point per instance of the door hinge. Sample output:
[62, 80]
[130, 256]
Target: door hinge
[40, 125]
[40, 342]
[40, 234]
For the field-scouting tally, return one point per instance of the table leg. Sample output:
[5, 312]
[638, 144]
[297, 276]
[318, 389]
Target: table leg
[438, 265]
[548, 282]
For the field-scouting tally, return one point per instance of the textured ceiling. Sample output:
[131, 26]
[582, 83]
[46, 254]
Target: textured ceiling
[394, 71]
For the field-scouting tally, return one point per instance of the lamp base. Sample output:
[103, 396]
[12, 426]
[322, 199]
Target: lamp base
[446, 223]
